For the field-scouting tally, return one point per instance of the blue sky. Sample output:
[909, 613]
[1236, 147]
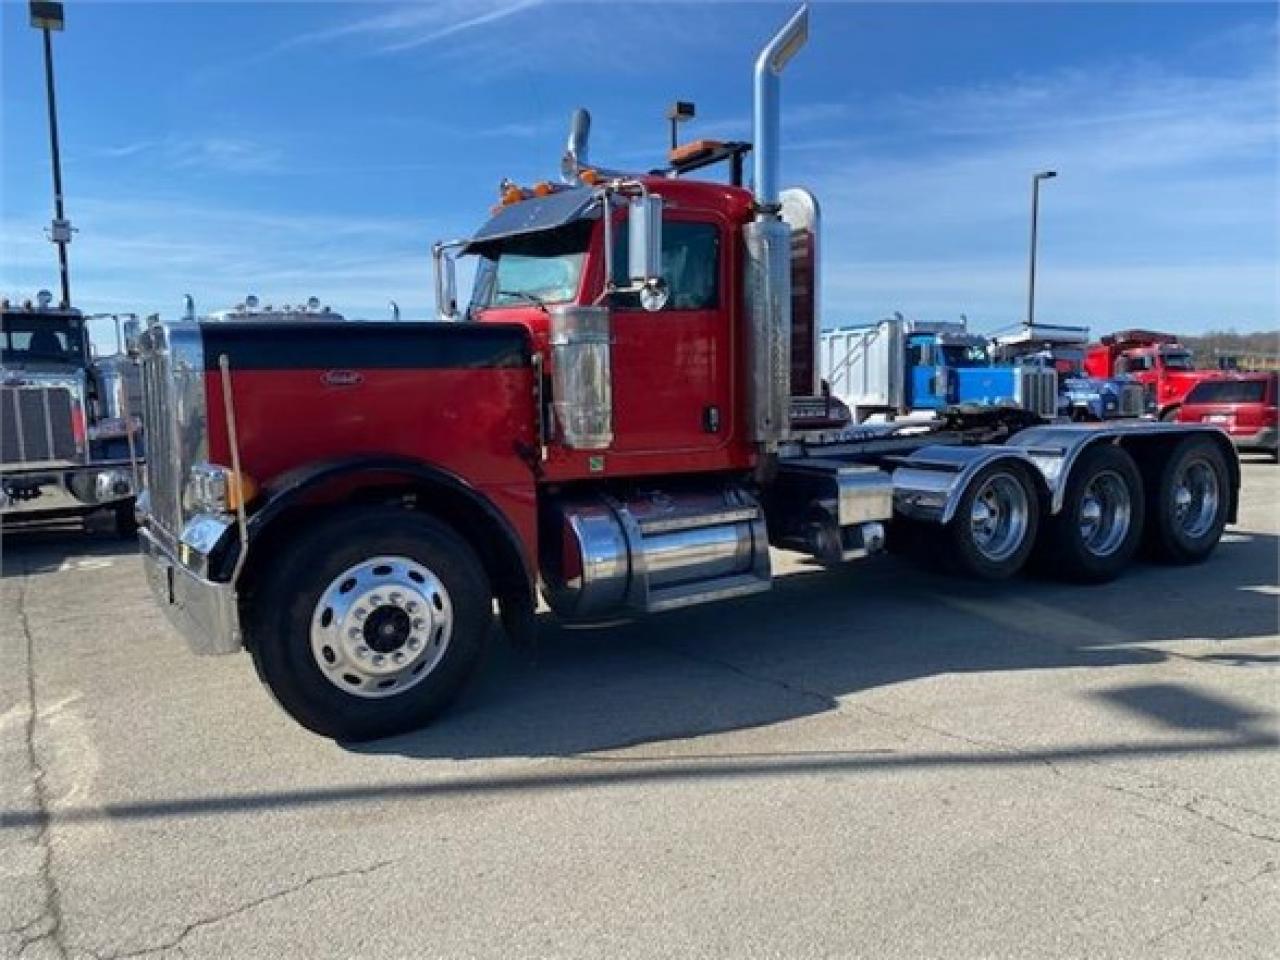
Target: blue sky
[293, 149]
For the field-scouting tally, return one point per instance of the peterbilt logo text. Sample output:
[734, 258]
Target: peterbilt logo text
[341, 378]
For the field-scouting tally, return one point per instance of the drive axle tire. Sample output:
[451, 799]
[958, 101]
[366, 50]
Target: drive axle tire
[994, 527]
[1095, 534]
[1189, 502]
[370, 624]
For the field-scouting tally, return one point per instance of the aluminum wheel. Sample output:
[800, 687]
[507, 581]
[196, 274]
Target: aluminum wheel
[381, 627]
[1195, 498]
[999, 516]
[1106, 511]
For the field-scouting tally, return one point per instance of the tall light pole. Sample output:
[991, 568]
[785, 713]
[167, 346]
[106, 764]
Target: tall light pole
[45, 17]
[1035, 217]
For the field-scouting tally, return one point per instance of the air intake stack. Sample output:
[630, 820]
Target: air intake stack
[767, 266]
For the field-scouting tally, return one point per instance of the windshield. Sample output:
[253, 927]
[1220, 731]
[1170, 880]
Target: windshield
[960, 355]
[538, 268]
[40, 338]
[1178, 361]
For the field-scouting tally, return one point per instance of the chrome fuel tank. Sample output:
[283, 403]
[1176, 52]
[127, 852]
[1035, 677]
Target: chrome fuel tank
[612, 556]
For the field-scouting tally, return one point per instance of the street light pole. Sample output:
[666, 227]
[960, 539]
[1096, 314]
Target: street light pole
[1035, 217]
[45, 17]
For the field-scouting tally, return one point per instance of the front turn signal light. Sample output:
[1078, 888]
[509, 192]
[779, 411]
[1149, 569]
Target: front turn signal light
[241, 489]
[212, 488]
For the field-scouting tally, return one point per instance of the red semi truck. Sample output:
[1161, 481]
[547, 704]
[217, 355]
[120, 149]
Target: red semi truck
[625, 418]
[1156, 360]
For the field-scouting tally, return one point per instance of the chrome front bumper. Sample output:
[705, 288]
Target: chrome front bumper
[206, 613]
[57, 489]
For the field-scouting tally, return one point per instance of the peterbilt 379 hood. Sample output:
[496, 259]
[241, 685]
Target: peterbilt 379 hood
[325, 345]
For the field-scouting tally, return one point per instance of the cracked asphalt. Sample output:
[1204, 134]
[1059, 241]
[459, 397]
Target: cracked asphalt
[875, 762]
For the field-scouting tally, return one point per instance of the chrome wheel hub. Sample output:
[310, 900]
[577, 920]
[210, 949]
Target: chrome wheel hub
[381, 627]
[999, 517]
[1106, 513]
[1195, 498]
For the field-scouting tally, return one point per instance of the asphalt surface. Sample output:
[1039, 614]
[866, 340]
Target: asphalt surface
[869, 763]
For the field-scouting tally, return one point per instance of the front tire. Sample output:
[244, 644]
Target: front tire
[994, 527]
[1190, 501]
[370, 624]
[1095, 534]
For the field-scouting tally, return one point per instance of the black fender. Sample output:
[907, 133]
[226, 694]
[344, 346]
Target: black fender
[449, 497]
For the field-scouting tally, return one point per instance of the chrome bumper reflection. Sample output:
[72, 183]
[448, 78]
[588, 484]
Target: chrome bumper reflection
[204, 612]
[57, 489]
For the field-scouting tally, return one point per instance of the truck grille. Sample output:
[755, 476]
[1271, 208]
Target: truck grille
[37, 425]
[1038, 391]
[162, 480]
[173, 415]
[1133, 400]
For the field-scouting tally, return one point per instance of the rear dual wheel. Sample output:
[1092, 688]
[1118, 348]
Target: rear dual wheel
[1095, 534]
[1190, 501]
[994, 527]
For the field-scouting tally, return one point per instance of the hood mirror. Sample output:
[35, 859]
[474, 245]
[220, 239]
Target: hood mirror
[442, 257]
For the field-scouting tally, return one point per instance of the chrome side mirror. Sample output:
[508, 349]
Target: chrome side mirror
[442, 258]
[644, 250]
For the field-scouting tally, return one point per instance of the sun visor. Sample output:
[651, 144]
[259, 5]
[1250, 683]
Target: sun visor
[536, 214]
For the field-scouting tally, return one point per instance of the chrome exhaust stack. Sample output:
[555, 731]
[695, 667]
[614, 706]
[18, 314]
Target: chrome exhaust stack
[785, 44]
[767, 256]
[575, 150]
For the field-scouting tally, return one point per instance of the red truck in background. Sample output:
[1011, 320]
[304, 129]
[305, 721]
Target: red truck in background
[624, 419]
[1156, 360]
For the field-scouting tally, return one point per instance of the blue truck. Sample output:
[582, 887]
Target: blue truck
[1080, 396]
[899, 367]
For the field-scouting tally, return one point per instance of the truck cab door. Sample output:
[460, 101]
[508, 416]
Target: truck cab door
[926, 377]
[672, 368]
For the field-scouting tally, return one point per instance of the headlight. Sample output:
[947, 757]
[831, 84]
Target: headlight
[215, 489]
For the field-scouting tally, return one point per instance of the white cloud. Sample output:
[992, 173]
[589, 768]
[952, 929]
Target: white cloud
[408, 26]
[1165, 211]
[221, 153]
[144, 254]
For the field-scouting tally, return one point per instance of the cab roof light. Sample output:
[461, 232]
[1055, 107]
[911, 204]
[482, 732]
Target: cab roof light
[695, 150]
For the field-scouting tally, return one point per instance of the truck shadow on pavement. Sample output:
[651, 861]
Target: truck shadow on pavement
[60, 545]
[822, 637]
[819, 641]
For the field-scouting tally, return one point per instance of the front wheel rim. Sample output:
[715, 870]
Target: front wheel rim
[381, 627]
[1195, 498]
[1106, 513]
[999, 517]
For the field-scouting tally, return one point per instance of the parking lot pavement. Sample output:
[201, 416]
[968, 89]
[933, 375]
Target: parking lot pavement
[874, 762]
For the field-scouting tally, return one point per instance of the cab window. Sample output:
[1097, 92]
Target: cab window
[34, 337]
[690, 265]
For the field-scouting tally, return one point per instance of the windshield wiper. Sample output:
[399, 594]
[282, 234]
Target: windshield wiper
[535, 300]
